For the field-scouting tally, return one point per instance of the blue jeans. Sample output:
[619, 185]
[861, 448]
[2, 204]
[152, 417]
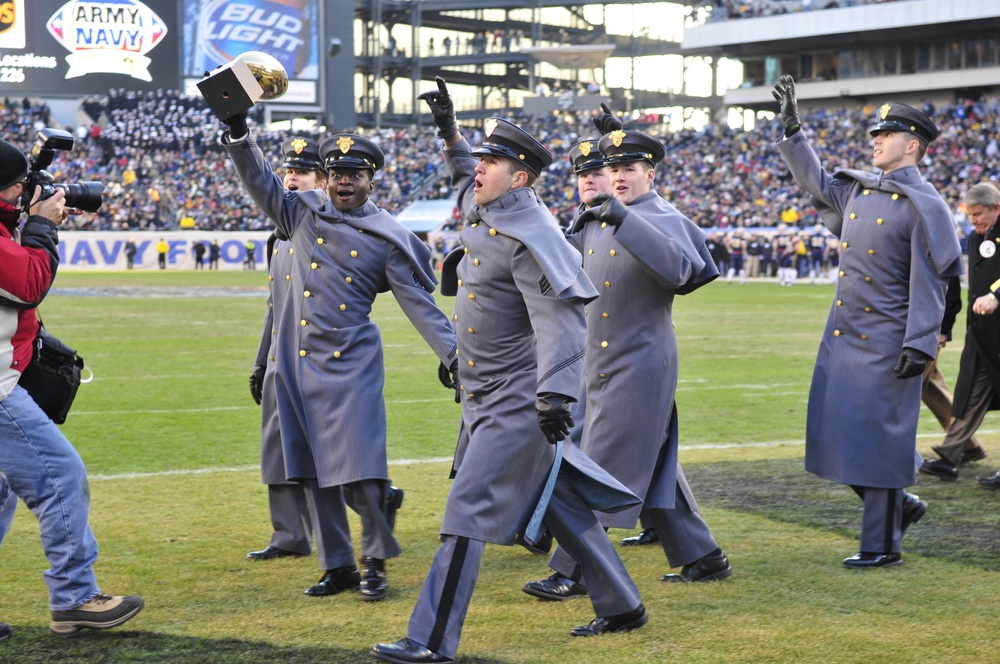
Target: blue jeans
[42, 469]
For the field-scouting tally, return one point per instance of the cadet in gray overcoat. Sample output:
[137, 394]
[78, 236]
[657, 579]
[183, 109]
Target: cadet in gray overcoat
[329, 369]
[898, 247]
[520, 329]
[290, 517]
[641, 252]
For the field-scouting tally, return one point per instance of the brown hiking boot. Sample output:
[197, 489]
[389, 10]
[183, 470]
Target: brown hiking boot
[101, 612]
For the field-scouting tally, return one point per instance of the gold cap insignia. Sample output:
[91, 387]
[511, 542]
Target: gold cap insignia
[585, 148]
[884, 111]
[491, 126]
[617, 136]
[299, 145]
[345, 143]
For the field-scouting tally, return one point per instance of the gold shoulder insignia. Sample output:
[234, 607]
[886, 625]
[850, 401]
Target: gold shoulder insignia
[585, 148]
[884, 111]
[345, 143]
[490, 126]
[299, 145]
[617, 136]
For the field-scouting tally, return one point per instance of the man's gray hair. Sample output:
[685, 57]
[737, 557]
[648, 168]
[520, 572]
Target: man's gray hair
[984, 193]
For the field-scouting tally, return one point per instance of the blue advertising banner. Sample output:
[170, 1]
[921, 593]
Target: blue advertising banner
[105, 250]
[86, 47]
[217, 31]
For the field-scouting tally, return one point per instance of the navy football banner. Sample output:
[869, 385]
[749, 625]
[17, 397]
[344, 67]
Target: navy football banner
[217, 31]
[86, 47]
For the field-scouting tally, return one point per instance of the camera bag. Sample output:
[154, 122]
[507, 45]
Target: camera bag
[53, 375]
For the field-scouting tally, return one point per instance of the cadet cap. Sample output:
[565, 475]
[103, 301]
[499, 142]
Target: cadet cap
[585, 156]
[303, 154]
[351, 151]
[894, 116]
[505, 139]
[622, 146]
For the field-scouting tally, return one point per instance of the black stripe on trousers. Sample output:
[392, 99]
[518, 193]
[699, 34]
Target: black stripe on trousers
[890, 520]
[448, 593]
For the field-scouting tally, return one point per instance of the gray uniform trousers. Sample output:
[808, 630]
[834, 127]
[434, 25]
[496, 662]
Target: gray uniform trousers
[290, 518]
[683, 533]
[880, 523]
[439, 614]
[333, 532]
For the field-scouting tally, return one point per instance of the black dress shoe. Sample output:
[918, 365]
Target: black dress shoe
[5, 631]
[941, 468]
[374, 583]
[969, 454]
[713, 567]
[539, 548]
[866, 559]
[913, 510]
[992, 482]
[647, 536]
[623, 622]
[406, 651]
[556, 587]
[335, 581]
[393, 501]
[272, 552]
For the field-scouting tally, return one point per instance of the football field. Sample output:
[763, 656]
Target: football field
[170, 437]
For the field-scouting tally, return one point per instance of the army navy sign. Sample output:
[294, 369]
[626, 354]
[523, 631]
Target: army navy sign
[55, 47]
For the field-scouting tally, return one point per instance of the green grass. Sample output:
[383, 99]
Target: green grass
[170, 394]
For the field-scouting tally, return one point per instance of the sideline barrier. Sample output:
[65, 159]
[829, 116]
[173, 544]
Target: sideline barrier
[105, 250]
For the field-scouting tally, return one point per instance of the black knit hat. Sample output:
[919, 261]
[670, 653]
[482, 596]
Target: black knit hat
[13, 165]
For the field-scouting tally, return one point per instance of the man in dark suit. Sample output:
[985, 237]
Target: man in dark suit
[978, 388]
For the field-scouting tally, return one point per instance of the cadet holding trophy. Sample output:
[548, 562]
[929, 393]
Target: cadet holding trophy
[328, 353]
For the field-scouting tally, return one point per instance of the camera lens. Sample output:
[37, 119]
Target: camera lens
[84, 196]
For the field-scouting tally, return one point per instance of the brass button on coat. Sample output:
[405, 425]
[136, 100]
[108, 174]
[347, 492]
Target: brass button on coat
[348, 280]
[343, 307]
[314, 265]
[306, 294]
[302, 353]
[319, 240]
[354, 254]
[303, 322]
[336, 354]
[493, 231]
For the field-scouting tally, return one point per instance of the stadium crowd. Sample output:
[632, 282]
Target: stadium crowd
[159, 158]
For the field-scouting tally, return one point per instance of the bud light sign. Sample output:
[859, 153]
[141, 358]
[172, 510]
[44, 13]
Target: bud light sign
[285, 29]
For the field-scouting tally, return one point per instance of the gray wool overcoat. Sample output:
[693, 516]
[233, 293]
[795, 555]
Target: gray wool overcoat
[272, 456]
[898, 247]
[630, 368]
[327, 351]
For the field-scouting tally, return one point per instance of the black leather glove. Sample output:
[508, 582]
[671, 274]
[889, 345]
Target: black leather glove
[784, 94]
[607, 121]
[237, 125]
[911, 363]
[257, 383]
[442, 108]
[449, 378]
[609, 209]
[553, 415]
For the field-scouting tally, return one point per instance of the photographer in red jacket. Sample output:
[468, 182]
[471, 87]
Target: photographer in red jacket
[37, 463]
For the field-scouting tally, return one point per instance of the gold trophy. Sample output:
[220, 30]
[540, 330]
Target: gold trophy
[237, 85]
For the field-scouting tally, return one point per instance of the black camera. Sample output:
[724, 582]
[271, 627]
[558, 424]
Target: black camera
[84, 196]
